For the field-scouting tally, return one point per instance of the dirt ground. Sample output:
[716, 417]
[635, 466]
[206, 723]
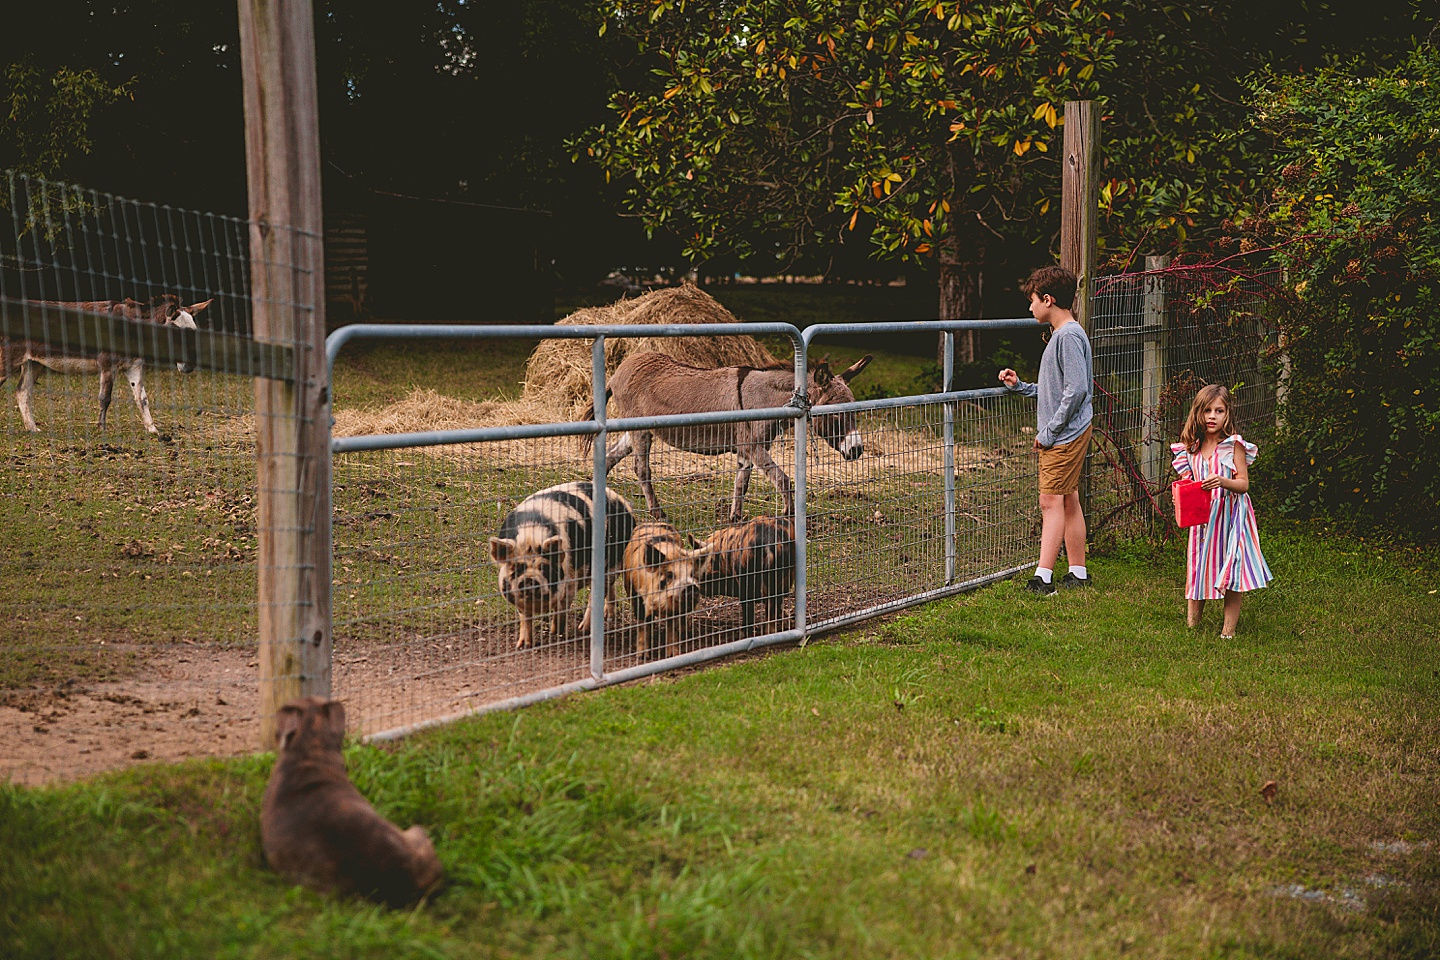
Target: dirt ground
[194, 704]
[196, 701]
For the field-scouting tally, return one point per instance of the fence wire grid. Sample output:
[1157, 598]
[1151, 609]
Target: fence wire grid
[129, 564]
[1157, 338]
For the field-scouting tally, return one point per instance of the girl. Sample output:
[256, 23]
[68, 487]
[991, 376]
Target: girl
[1224, 556]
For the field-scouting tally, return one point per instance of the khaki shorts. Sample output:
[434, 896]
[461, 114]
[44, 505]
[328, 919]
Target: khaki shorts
[1060, 466]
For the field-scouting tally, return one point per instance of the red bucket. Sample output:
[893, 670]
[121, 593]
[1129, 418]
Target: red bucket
[1192, 503]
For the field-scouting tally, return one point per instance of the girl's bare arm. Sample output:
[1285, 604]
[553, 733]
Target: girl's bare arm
[1241, 481]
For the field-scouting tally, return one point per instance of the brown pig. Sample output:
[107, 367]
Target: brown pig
[662, 577]
[318, 830]
[754, 562]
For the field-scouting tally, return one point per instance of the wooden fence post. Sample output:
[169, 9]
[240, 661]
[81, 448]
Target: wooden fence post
[1080, 201]
[1079, 220]
[287, 289]
[1152, 368]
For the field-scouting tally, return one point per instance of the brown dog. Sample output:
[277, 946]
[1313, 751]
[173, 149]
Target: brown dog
[317, 829]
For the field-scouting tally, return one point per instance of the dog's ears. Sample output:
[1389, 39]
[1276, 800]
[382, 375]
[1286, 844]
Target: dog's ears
[287, 724]
[334, 712]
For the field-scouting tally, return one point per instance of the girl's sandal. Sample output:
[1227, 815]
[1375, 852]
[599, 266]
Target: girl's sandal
[1227, 636]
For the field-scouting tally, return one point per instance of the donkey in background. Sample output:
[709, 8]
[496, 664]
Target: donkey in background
[29, 358]
[650, 384]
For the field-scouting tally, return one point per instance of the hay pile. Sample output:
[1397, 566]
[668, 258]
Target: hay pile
[557, 375]
[557, 378]
[423, 409]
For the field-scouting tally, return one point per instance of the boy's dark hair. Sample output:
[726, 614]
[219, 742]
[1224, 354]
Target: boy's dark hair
[1054, 280]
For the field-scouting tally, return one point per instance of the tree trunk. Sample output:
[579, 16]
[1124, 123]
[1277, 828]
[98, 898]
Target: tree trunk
[962, 275]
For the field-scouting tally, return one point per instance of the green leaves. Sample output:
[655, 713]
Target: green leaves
[48, 114]
[1357, 171]
[843, 115]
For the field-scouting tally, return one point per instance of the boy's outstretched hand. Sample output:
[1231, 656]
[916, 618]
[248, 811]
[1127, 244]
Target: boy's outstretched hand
[1009, 377]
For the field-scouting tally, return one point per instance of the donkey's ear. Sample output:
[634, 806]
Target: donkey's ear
[822, 373]
[856, 367]
[195, 308]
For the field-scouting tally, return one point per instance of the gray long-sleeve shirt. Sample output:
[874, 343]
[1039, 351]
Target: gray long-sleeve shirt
[1064, 388]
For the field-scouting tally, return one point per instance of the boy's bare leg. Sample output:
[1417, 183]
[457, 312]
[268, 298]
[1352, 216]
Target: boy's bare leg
[1232, 612]
[1193, 609]
[1074, 530]
[1052, 528]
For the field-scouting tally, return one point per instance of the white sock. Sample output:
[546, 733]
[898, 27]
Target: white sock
[1079, 572]
[1044, 573]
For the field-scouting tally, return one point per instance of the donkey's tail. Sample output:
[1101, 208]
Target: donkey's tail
[588, 440]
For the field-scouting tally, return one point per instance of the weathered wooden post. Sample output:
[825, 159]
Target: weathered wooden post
[1080, 201]
[292, 419]
[1079, 219]
[1152, 368]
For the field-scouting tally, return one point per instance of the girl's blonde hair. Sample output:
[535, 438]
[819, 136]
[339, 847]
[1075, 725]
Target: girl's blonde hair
[1194, 430]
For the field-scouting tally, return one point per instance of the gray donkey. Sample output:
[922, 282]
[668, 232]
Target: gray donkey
[28, 358]
[650, 384]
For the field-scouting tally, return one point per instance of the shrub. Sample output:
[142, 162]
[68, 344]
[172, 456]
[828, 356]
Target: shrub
[1353, 213]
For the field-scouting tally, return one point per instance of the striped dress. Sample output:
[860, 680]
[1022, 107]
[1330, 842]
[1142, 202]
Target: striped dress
[1224, 553]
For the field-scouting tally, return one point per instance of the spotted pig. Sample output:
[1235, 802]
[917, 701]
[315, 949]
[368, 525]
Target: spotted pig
[754, 562]
[662, 577]
[544, 549]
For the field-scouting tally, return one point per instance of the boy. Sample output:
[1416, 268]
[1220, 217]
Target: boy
[1062, 433]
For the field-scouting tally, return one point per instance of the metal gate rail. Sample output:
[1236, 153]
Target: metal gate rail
[797, 410]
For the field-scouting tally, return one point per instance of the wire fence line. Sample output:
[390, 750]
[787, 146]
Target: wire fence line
[130, 567]
[129, 491]
[1157, 337]
[942, 499]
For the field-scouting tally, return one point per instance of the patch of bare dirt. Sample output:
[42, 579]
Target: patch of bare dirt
[195, 701]
[198, 703]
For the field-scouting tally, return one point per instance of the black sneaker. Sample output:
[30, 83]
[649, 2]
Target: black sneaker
[1070, 580]
[1036, 585]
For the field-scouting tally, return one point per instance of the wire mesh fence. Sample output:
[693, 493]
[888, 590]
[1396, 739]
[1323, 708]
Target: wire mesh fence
[129, 479]
[468, 562]
[1158, 337]
[882, 531]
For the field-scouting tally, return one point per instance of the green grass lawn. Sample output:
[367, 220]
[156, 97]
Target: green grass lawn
[998, 775]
